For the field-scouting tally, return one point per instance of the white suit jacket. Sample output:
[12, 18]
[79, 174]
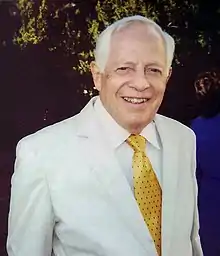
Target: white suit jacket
[69, 196]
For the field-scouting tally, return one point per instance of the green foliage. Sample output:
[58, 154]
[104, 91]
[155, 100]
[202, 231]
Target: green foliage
[34, 25]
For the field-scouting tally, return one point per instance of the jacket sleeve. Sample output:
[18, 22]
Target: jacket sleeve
[31, 219]
[195, 239]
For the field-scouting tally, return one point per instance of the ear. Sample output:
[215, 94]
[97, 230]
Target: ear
[96, 75]
[169, 74]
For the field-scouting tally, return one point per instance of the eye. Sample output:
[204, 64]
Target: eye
[155, 71]
[123, 68]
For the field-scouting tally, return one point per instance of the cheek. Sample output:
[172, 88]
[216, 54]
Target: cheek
[158, 91]
[106, 88]
[116, 87]
[110, 91]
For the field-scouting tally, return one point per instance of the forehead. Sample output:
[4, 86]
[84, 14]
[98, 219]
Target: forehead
[137, 42]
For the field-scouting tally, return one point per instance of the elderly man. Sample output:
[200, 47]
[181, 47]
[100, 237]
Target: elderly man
[116, 179]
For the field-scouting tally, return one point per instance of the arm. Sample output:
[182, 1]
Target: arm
[198, 175]
[196, 244]
[31, 220]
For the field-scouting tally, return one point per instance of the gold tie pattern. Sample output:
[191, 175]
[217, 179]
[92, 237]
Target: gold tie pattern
[147, 189]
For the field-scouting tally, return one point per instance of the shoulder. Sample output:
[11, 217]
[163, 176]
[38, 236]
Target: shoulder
[50, 137]
[175, 128]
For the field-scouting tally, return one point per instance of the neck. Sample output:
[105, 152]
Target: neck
[135, 129]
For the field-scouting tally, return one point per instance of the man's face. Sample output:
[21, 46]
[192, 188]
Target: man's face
[134, 80]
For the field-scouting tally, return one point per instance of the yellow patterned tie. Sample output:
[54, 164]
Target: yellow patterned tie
[147, 189]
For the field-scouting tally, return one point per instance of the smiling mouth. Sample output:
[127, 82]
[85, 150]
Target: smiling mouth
[135, 100]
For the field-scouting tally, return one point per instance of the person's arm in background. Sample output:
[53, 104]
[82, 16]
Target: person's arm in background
[31, 219]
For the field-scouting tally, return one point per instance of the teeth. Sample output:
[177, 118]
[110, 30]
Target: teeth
[135, 100]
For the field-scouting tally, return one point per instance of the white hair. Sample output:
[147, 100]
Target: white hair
[103, 41]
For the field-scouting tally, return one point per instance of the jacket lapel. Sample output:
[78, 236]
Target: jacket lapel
[104, 166]
[169, 181]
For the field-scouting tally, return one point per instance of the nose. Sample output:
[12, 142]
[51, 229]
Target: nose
[141, 82]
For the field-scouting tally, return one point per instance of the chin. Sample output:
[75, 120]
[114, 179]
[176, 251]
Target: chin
[134, 123]
[135, 127]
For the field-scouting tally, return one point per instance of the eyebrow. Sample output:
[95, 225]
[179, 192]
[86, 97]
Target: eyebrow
[159, 64]
[128, 63]
[155, 63]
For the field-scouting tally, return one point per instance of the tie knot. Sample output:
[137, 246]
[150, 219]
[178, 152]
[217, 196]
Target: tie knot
[137, 142]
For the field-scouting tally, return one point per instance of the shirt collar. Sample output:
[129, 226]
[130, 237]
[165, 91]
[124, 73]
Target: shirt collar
[151, 135]
[117, 134]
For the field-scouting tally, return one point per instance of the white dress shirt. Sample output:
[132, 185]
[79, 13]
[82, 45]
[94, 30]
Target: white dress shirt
[117, 136]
